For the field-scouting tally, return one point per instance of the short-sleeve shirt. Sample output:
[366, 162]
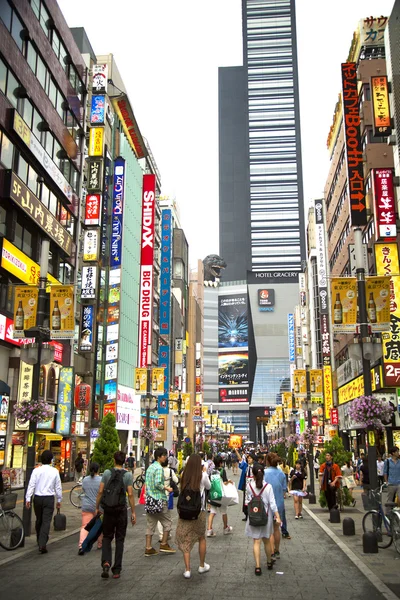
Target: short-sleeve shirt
[127, 478]
[298, 481]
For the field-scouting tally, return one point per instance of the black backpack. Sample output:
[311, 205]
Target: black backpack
[189, 504]
[114, 493]
[258, 516]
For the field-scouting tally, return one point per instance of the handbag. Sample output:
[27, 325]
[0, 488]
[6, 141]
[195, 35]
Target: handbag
[142, 497]
[153, 506]
[230, 495]
[172, 484]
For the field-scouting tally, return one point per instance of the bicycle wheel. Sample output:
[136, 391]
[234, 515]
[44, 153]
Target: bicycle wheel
[396, 531]
[138, 483]
[75, 496]
[372, 521]
[11, 530]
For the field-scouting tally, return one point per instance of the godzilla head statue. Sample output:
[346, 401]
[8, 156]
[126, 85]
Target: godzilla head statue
[212, 269]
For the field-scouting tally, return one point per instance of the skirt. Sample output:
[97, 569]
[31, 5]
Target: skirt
[260, 532]
[298, 493]
[189, 532]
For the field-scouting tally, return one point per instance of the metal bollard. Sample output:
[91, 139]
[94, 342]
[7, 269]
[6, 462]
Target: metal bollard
[370, 542]
[349, 527]
[312, 499]
[334, 515]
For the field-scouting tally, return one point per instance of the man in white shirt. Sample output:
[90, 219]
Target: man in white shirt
[44, 483]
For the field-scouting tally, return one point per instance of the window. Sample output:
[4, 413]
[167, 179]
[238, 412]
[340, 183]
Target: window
[53, 204]
[7, 152]
[22, 170]
[27, 112]
[3, 76]
[27, 243]
[3, 215]
[44, 17]
[16, 28]
[31, 56]
[5, 12]
[32, 180]
[12, 84]
[51, 385]
[41, 72]
[19, 234]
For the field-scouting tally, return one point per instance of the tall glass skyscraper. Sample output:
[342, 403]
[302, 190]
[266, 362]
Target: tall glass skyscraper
[262, 220]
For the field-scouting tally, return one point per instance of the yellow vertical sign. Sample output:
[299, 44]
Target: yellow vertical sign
[328, 391]
[140, 377]
[300, 383]
[287, 400]
[157, 381]
[96, 141]
[25, 309]
[316, 385]
[378, 303]
[344, 304]
[62, 321]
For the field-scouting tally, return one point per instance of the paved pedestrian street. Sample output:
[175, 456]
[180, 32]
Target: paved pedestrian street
[311, 567]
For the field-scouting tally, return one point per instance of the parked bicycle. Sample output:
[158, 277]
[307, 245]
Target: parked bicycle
[386, 526]
[11, 526]
[139, 481]
[76, 494]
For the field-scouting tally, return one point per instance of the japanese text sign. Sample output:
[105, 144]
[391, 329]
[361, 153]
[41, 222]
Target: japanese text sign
[378, 303]
[25, 309]
[163, 361]
[328, 391]
[87, 326]
[19, 264]
[344, 304]
[95, 175]
[92, 209]
[300, 383]
[165, 275]
[97, 112]
[89, 279]
[64, 405]
[91, 245]
[62, 320]
[117, 212]
[96, 141]
[380, 103]
[385, 204]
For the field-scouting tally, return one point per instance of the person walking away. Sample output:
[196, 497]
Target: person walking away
[219, 510]
[348, 480]
[44, 484]
[189, 532]
[210, 463]
[156, 494]
[172, 461]
[380, 467]
[169, 477]
[392, 475]
[116, 483]
[329, 479]
[277, 480]
[229, 460]
[130, 463]
[264, 533]
[316, 466]
[246, 468]
[90, 487]
[79, 462]
[297, 486]
[364, 474]
[235, 462]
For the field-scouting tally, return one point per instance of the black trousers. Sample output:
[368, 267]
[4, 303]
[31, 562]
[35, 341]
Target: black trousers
[330, 495]
[44, 508]
[244, 506]
[115, 523]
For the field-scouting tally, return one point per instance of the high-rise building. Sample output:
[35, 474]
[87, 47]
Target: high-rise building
[261, 194]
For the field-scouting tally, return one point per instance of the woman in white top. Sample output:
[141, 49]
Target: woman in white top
[169, 475]
[263, 532]
[188, 533]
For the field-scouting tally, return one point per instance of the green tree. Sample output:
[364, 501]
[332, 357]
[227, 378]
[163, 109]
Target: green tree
[187, 449]
[106, 444]
[336, 448]
[206, 448]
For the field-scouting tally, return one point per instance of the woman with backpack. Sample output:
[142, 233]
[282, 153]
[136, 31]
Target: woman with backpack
[191, 526]
[257, 490]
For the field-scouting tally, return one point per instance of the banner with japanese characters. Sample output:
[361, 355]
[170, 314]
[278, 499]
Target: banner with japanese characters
[344, 304]
[377, 291]
[89, 281]
[25, 309]
[62, 319]
[140, 381]
[87, 329]
[300, 383]
[316, 385]
[65, 398]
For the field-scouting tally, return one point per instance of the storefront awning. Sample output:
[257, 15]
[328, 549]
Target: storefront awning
[51, 436]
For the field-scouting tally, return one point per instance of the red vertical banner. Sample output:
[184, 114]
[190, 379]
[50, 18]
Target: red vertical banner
[146, 268]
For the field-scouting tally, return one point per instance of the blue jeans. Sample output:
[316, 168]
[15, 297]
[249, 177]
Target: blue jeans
[283, 519]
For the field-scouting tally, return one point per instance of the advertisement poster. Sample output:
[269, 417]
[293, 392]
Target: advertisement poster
[117, 213]
[381, 106]
[385, 204]
[157, 381]
[4, 406]
[25, 309]
[92, 209]
[316, 383]
[300, 383]
[163, 361]
[62, 320]
[96, 141]
[89, 279]
[65, 398]
[377, 291]
[344, 304]
[24, 391]
[233, 321]
[109, 407]
[328, 391]
[233, 368]
[266, 300]
[90, 245]
[87, 327]
[98, 110]
[100, 78]
[128, 409]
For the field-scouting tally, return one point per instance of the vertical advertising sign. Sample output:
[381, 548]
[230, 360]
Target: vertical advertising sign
[328, 391]
[89, 281]
[381, 106]
[300, 383]
[165, 283]
[354, 150]
[163, 361]
[146, 268]
[385, 204]
[322, 275]
[387, 263]
[25, 309]
[100, 78]
[65, 397]
[344, 304]
[87, 329]
[377, 291]
[292, 344]
[90, 245]
[97, 111]
[117, 212]
[62, 321]
[92, 209]
[96, 141]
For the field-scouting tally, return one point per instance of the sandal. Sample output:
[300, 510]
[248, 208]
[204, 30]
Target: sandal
[270, 565]
[257, 571]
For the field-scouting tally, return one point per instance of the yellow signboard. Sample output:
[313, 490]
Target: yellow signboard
[287, 400]
[344, 304]
[300, 383]
[25, 309]
[380, 103]
[204, 411]
[235, 441]
[328, 391]
[316, 385]
[96, 141]
[377, 291]
[62, 320]
[19, 264]
[24, 391]
[157, 381]
[140, 381]
[355, 388]
[22, 129]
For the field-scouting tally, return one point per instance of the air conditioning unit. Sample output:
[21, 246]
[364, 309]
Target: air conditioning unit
[392, 140]
[396, 181]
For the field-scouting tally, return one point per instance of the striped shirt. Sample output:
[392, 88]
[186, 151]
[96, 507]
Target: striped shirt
[155, 482]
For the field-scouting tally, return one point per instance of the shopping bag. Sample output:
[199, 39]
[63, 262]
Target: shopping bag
[142, 497]
[231, 496]
[216, 492]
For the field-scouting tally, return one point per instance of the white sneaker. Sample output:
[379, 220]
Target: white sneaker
[187, 574]
[228, 530]
[210, 533]
[205, 568]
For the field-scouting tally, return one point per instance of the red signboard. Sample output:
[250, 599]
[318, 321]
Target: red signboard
[92, 209]
[314, 421]
[385, 207]
[82, 396]
[334, 416]
[58, 351]
[146, 268]
[354, 150]
[110, 407]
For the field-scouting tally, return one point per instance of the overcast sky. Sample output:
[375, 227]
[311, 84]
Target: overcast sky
[168, 53]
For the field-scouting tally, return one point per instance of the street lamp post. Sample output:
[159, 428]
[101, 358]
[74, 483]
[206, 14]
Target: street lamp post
[148, 401]
[362, 306]
[179, 428]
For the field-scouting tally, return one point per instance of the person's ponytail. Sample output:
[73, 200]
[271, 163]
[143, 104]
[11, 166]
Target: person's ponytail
[258, 475]
[93, 469]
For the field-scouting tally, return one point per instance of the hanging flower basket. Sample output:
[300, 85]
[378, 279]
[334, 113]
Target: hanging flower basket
[37, 411]
[308, 437]
[369, 411]
[293, 438]
[148, 433]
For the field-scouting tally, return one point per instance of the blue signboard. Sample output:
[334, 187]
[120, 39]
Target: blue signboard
[117, 212]
[87, 329]
[98, 110]
[163, 361]
[64, 404]
[165, 283]
[291, 337]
